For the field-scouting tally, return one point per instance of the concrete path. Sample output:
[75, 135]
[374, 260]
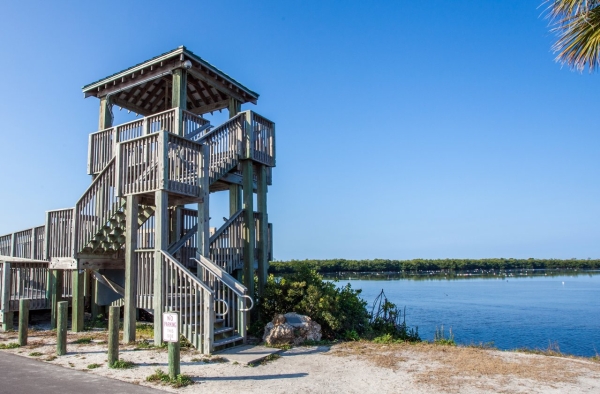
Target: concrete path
[21, 375]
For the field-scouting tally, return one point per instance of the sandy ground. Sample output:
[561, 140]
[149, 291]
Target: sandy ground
[357, 367]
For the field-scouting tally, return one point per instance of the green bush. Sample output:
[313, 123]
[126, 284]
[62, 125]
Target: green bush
[337, 310]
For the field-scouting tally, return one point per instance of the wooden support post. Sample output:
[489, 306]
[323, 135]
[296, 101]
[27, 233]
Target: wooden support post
[7, 315]
[203, 234]
[61, 329]
[175, 354]
[263, 229]
[23, 321]
[78, 301]
[95, 308]
[179, 98]
[161, 224]
[209, 323]
[249, 227]
[105, 119]
[130, 297]
[33, 246]
[57, 279]
[113, 335]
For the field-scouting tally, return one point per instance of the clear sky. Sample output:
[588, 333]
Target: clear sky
[423, 129]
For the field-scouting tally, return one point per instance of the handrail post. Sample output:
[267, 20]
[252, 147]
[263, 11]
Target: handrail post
[33, 246]
[209, 322]
[7, 315]
[13, 245]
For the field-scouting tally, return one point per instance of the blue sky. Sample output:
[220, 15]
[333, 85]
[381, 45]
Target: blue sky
[405, 129]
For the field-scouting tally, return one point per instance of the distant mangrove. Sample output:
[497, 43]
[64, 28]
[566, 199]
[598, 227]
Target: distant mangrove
[416, 265]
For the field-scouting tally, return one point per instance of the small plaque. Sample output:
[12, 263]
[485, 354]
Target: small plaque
[170, 332]
[293, 320]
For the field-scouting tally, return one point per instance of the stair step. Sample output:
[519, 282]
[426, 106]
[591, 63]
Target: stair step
[222, 330]
[226, 341]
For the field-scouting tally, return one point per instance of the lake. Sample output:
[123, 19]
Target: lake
[513, 310]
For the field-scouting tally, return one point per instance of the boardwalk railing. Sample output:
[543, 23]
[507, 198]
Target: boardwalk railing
[59, 233]
[159, 161]
[263, 139]
[26, 244]
[102, 144]
[95, 208]
[145, 279]
[184, 292]
[27, 279]
[227, 244]
[225, 146]
[231, 295]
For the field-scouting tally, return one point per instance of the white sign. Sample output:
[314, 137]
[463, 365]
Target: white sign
[170, 327]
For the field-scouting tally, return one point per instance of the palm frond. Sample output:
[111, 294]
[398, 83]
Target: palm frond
[577, 24]
[578, 44]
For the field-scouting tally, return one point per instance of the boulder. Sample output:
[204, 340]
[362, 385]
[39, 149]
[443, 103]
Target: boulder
[291, 328]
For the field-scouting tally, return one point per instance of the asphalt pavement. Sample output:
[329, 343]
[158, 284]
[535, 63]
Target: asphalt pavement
[21, 375]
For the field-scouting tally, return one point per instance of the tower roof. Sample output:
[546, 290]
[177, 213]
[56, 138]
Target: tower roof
[145, 87]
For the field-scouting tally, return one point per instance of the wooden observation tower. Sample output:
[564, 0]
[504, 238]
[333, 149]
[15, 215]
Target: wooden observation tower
[140, 235]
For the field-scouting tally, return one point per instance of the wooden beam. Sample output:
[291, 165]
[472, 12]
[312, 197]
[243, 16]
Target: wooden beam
[78, 301]
[161, 226]
[131, 230]
[131, 107]
[263, 229]
[105, 118]
[148, 87]
[158, 90]
[210, 108]
[208, 89]
[158, 72]
[179, 96]
[218, 85]
[249, 227]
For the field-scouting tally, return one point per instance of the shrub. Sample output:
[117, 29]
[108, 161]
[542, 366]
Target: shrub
[120, 364]
[337, 310]
[179, 381]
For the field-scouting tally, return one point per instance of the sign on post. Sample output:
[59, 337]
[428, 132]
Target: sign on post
[170, 331]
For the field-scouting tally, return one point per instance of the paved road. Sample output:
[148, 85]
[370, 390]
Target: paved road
[21, 375]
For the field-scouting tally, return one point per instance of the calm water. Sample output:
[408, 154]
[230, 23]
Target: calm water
[512, 311]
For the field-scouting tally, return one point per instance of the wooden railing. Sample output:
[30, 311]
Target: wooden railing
[225, 146]
[59, 230]
[138, 165]
[231, 296]
[26, 244]
[96, 207]
[183, 163]
[227, 244]
[160, 161]
[263, 139]
[24, 280]
[102, 144]
[145, 278]
[185, 293]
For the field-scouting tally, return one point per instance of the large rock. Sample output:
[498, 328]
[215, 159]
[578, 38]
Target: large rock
[291, 328]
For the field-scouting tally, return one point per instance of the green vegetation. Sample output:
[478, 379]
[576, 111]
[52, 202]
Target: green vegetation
[12, 345]
[93, 366]
[178, 381]
[439, 337]
[381, 265]
[83, 340]
[35, 354]
[121, 364]
[340, 311]
[337, 310]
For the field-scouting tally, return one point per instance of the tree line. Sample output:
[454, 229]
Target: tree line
[383, 265]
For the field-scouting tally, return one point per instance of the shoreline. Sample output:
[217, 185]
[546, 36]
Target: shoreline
[356, 367]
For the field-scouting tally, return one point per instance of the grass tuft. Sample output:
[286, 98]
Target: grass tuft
[12, 345]
[83, 341]
[93, 366]
[121, 364]
[439, 337]
[177, 382]
[35, 354]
